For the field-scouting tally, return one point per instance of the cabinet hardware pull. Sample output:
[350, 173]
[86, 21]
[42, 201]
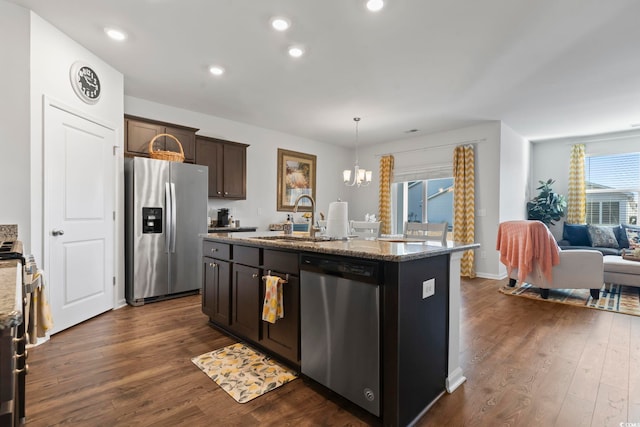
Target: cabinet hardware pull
[226, 192]
[219, 192]
[24, 337]
[213, 265]
[214, 249]
[254, 275]
[25, 370]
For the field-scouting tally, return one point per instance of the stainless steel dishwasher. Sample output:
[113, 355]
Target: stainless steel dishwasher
[340, 326]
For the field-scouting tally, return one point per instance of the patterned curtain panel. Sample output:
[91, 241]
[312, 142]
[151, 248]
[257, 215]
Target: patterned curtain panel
[464, 204]
[384, 207]
[576, 202]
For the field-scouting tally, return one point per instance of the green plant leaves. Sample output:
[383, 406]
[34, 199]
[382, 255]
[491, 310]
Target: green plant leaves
[548, 206]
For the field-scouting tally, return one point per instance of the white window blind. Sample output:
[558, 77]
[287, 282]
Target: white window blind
[613, 188]
[422, 173]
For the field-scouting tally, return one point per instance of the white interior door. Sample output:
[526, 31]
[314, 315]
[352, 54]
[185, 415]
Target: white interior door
[78, 217]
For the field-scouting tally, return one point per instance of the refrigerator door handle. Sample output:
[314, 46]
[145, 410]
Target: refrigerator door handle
[173, 217]
[167, 217]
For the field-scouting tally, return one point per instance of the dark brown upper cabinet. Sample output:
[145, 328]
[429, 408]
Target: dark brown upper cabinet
[139, 132]
[227, 162]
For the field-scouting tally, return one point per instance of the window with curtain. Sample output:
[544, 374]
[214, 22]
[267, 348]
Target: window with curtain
[613, 188]
[429, 200]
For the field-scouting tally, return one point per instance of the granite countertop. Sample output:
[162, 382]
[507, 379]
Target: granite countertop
[10, 293]
[392, 249]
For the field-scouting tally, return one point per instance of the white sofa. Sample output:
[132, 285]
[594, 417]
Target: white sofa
[621, 271]
[578, 269]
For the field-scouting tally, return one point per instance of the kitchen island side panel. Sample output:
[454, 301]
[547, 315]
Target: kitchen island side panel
[389, 319]
[422, 335]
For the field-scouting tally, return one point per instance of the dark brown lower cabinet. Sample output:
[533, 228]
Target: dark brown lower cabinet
[233, 295]
[283, 337]
[216, 301]
[245, 301]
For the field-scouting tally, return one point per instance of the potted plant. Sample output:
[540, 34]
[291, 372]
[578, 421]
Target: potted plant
[548, 206]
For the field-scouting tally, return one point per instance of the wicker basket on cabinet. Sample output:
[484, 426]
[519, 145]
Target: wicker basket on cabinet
[172, 156]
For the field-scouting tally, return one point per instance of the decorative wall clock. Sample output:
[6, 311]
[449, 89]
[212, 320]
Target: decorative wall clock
[85, 82]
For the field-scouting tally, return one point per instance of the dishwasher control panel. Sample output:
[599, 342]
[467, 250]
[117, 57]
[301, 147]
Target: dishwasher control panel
[362, 270]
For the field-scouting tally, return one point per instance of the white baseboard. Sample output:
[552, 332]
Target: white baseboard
[491, 276]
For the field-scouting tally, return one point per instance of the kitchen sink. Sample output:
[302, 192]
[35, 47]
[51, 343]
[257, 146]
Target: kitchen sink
[288, 238]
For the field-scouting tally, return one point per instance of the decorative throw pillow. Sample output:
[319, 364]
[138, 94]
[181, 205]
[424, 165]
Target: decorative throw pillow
[602, 236]
[622, 239]
[620, 234]
[634, 238]
[576, 234]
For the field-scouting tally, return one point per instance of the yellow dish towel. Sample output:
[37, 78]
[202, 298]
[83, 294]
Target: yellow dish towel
[273, 308]
[39, 319]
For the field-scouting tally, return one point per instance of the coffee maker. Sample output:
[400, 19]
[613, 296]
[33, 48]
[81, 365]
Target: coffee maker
[223, 218]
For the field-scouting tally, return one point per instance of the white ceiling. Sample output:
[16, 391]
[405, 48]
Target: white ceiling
[546, 68]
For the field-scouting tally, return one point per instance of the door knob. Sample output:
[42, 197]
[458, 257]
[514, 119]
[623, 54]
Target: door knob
[56, 232]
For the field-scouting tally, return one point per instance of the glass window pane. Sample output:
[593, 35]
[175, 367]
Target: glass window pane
[593, 212]
[613, 186]
[616, 171]
[415, 202]
[438, 194]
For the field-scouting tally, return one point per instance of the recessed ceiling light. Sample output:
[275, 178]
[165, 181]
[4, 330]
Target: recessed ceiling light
[375, 5]
[296, 51]
[115, 34]
[216, 70]
[280, 24]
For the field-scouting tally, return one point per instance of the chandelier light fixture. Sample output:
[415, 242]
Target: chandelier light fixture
[361, 177]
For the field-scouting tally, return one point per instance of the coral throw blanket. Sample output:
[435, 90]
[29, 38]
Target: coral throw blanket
[523, 243]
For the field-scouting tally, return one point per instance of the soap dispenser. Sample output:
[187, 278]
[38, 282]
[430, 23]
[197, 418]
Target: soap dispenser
[288, 226]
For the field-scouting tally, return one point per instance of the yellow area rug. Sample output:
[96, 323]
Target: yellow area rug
[243, 372]
[616, 298]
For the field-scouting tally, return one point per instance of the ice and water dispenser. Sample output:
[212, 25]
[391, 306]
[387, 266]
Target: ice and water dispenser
[151, 220]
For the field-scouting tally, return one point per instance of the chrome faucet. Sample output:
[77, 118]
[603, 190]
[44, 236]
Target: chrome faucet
[312, 227]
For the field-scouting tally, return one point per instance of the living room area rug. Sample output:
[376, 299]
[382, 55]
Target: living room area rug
[616, 298]
[244, 373]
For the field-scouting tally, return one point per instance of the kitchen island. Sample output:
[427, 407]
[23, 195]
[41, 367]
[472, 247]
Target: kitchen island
[418, 308]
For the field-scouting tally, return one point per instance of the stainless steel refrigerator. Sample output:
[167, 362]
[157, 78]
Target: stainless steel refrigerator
[165, 212]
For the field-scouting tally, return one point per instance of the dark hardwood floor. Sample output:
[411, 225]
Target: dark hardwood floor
[527, 363]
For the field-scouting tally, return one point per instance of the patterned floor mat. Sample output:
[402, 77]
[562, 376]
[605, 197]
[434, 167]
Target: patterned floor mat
[243, 372]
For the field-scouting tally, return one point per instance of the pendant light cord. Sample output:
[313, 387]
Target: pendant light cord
[357, 120]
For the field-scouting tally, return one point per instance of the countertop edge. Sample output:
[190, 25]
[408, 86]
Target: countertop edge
[360, 248]
[10, 294]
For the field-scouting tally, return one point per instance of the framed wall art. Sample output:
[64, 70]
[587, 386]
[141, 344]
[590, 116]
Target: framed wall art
[296, 176]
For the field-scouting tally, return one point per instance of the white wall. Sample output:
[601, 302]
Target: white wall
[52, 54]
[550, 159]
[515, 170]
[14, 119]
[259, 209]
[416, 152]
